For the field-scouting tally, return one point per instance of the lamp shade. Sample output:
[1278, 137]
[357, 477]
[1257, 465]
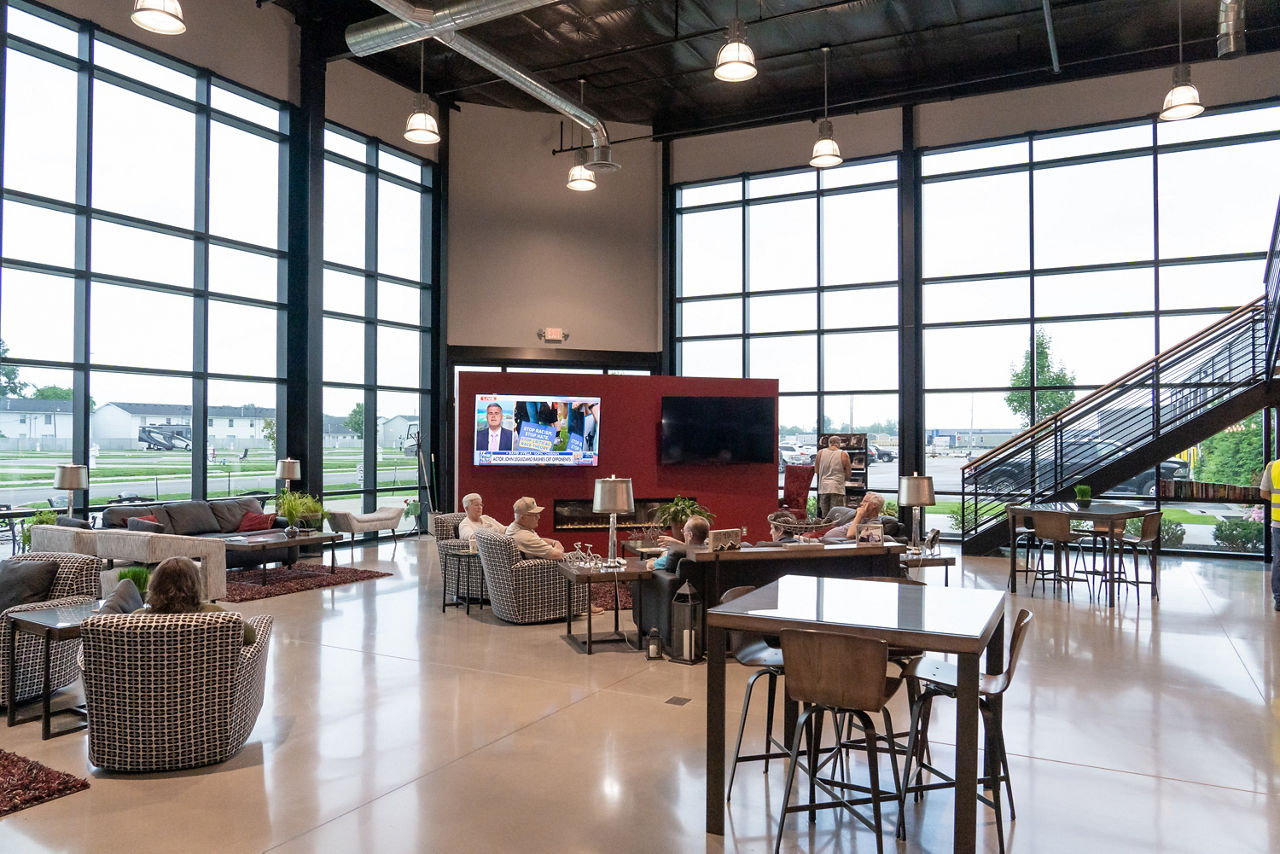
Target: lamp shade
[159, 16]
[825, 151]
[1183, 100]
[736, 62]
[288, 469]
[915, 491]
[421, 127]
[613, 495]
[71, 477]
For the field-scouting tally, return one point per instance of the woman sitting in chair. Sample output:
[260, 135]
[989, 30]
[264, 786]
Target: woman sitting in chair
[174, 588]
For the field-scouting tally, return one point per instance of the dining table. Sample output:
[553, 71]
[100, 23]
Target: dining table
[1114, 514]
[961, 621]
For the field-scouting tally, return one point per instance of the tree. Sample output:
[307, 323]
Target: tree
[1046, 374]
[55, 392]
[355, 421]
[269, 431]
[10, 385]
[1234, 455]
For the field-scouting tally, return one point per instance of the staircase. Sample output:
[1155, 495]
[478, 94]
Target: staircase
[1184, 395]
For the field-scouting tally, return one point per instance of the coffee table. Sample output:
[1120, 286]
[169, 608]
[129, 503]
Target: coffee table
[276, 539]
[52, 624]
[635, 570]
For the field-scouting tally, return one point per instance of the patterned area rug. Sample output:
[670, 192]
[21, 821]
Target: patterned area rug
[602, 595]
[282, 580]
[25, 783]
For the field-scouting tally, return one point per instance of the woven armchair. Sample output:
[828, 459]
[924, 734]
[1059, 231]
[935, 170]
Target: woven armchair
[523, 591]
[169, 691]
[75, 583]
[445, 529]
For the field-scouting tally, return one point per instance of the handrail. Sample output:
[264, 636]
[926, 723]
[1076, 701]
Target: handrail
[1165, 357]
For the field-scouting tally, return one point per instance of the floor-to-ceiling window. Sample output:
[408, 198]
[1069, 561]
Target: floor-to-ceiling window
[794, 276]
[377, 321]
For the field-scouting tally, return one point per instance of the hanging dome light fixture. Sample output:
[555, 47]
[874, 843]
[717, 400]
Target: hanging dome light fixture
[825, 151]
[421, 127]
[581, 178]
[735, 62]
[1183, 100]
[159, 16]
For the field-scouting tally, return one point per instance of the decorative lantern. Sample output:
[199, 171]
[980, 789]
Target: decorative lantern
[653, 645]
[686, 626]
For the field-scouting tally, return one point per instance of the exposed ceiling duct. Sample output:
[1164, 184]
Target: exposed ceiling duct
[1230, 29]
[408, 23]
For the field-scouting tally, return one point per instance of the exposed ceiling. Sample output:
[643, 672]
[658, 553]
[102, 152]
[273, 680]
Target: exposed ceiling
[649, 62]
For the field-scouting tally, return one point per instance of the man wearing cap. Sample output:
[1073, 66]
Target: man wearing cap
[473, 504]
[524, 531]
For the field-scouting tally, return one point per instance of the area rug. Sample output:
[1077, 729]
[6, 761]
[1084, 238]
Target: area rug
[290, 579]
[602, 595]
[25, 783]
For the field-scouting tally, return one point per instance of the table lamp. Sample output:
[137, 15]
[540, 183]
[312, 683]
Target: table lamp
[613, 496]
[288, 470]
[915, 492]
[71, 478]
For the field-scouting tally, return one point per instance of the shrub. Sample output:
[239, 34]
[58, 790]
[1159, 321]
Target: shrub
[139, 575]
[44, 517]
[1171, 533]
[1239, 535]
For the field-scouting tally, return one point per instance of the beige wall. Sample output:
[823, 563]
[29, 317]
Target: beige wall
[526, 253]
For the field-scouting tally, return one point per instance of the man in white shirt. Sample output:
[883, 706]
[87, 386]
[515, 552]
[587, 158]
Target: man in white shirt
[473, 504]
[523, 531]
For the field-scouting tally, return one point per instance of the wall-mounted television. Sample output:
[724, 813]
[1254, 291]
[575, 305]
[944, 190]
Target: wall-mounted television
[536, 430]
[718, 430]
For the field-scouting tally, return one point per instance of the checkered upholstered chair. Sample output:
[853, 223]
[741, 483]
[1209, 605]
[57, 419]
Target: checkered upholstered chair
[169, 691]
[523, 591]
[75, 583]
[445, 529]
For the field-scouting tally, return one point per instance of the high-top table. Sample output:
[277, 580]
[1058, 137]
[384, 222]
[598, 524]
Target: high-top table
[938, 619]
[1114, 515]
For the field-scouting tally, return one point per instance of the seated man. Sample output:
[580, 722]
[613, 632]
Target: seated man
[473, 504]
[868, 511]
[523, 531]
[696, 530]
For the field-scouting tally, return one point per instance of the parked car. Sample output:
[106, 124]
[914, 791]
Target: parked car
[877, 454]
[794, 455]
[1013, 476]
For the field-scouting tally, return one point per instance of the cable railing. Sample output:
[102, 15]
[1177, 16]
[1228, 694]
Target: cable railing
[1272, 279]
[1107, 425]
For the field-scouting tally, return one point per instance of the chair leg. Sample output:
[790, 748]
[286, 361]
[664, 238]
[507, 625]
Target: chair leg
[873, 771]
[394, 542]
[1154, 559]
[768, 719]
[742, 725]
[992, 728]
[793, 761]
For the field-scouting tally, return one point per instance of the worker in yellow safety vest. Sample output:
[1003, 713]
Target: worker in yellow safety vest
[1269, 484]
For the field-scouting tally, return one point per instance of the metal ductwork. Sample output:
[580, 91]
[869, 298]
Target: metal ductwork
[601, 159]
[1230, 29]
[408, 23]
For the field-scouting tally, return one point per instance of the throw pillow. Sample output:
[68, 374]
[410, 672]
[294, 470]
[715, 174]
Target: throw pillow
[229, 511]
[72, 522]
[257, 522]
[125, 599]
[25, 581]
[148, 518]
[137, 523]
[191, 518]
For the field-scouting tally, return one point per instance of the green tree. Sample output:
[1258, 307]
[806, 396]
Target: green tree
[1234, 455]
[10, 385]
[1046, 374]
[55, 392]
[355, 421]
[269, 430]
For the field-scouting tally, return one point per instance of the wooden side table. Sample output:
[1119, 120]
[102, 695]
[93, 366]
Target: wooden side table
[52, 624]
[910, 562]
[635, 570]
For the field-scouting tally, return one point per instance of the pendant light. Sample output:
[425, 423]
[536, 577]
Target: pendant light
[581, 178]
[735, 62]
[159, 16]
[1183, 100]
[825, 151]
[421, 126]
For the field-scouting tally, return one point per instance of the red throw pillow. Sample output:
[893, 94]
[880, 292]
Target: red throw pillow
[150, 518]
[257, 521]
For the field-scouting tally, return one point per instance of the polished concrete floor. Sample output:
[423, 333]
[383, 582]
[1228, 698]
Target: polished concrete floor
[389, 726]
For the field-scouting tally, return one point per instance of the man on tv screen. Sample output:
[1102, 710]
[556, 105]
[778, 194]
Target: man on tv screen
[493, 437]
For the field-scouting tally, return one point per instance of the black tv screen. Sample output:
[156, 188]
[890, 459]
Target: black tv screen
[718, 430]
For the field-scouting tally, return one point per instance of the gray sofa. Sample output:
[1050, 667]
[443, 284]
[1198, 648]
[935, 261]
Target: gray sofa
[217, 519]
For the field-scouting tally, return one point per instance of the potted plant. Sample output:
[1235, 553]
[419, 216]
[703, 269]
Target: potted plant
[1084, 495]
[139, 575]
[298, 507]
[677, 511]
[44, 517]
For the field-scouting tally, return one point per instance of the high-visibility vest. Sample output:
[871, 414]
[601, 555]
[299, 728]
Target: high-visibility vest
[1275, 487]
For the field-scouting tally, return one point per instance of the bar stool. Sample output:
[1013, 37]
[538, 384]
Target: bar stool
[1054, 529]
[938, 678]
[1148, 537]
[840, 674]
[754, 650]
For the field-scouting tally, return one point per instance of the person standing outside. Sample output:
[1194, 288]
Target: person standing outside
[833, 471]
[1269, 484]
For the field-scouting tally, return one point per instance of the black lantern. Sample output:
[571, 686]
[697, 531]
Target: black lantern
[653, 645]
[686, 626]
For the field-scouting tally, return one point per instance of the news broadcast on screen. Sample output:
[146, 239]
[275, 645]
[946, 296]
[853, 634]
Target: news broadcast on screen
[524, 430]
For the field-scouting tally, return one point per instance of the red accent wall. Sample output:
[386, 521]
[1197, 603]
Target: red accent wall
[629, 433]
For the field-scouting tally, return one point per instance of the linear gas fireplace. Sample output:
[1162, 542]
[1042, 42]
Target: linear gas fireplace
[576, 515]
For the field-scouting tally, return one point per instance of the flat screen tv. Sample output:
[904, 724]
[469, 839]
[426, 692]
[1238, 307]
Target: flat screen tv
[529, 430]
[718, 430]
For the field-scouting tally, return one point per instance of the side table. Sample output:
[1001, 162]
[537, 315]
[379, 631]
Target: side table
[635, 570]
[52, 624]
[910, 562]
[465, 566]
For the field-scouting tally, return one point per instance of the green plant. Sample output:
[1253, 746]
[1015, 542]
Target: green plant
[44, 517]
[890, 508]
[678, 510]
[956, 515]
[811, 507]
[296, 506]
[1239, 535]
[1171, 533]
[139, 575]
[1084, 492]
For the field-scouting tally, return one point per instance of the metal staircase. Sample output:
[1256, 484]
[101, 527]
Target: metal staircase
[1184, 395]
